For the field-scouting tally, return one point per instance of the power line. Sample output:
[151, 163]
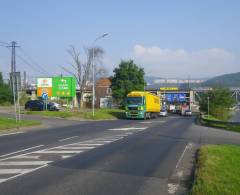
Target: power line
[34, 62]
[29, 64]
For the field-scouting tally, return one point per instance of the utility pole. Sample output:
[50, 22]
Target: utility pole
[24, 80]
[14, 81]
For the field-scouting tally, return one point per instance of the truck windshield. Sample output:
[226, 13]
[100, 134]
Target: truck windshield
[134, 100]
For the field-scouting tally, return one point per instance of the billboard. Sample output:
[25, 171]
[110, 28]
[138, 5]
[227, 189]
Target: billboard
[44, 85]
[56, 86]
[64, 87]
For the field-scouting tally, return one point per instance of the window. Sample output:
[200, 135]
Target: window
[109, 90]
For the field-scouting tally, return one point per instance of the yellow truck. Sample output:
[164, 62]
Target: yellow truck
[142, 105]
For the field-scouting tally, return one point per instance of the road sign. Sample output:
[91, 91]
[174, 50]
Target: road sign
[44, 85]
[64, 87]
[44, 96]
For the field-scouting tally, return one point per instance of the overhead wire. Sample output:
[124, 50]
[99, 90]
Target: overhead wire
[34, 62]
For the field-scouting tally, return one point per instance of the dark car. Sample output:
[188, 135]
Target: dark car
[36, 105]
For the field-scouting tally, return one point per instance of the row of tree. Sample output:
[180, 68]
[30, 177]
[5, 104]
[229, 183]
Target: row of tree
[217, 102]
[5, 93]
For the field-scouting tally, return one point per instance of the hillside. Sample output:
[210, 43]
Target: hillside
[227, 80]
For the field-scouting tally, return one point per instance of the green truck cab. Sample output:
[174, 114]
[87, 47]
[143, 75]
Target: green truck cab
[142, 105]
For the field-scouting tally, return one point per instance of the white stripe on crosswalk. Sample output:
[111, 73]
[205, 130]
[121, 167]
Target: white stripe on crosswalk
[15, 163]
[2, 180]
[101, 141]
[13, 171]
[128, 129]
[57, 152]
[76, 148]
[86, 144]
[25, 157]
[66, 156]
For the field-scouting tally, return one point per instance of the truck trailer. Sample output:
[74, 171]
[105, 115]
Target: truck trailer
[142, 105]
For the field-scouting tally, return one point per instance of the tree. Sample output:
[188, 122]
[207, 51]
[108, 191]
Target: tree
[82, 70]
[5, 93]
[220, 100]
[127, 77]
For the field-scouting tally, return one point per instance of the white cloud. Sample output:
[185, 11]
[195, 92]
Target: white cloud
[181, 63]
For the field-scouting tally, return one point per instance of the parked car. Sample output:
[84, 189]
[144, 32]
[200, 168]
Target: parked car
[36, 105]
[53, 106]
[163, 113]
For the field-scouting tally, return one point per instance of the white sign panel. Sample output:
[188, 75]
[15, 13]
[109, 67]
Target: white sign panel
[44, 82]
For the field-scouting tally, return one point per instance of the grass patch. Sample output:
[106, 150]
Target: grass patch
[100, 114]
[213, 122]
[9, 123]
[218, 170]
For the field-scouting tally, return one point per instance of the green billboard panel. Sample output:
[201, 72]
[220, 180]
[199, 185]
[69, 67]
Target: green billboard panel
[64, 87]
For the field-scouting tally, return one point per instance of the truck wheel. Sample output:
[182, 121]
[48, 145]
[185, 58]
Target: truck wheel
[145, 116]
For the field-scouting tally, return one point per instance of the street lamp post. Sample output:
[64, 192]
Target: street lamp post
[208, 105]
[93, 71]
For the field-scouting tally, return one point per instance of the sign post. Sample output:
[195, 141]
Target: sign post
[45, 98]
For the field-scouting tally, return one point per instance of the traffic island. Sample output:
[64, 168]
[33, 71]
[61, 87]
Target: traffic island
[100, 114]
[9, 123]
[218, 170]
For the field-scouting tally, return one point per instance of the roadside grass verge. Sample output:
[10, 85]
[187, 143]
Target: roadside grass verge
[213, 122]
[9, 123]
[218, 170]
[100, 114]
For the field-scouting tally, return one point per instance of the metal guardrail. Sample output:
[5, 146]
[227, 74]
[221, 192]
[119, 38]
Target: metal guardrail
[219, 122]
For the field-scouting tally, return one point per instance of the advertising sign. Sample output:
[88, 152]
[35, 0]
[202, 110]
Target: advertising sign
[44, 85]
[44, 82]
[64, 86]
[168, 89]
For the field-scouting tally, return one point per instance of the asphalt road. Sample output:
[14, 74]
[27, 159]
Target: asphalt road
[107, 157]
[236, 117]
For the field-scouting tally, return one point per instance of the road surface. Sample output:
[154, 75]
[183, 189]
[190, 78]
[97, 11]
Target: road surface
[106, 157]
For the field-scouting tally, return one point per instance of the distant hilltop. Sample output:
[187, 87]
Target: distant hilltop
[227, 80]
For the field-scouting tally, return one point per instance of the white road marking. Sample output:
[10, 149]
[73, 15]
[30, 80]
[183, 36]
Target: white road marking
[76, 148]
[101, 141]
[2, 180]
[13, 171]
[21, 151]
[11, 178]
[10, 133]
[172, 188]
[85, 144]
[57, 152]
[15, 163]
[146, 122]
[25, 157]
[128, 129]
[66, 156]
[61, 140]
[189, 145]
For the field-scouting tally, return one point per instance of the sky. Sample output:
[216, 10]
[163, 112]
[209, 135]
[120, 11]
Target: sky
[174, 39]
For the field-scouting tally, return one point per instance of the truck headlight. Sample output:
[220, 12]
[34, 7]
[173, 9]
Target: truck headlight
[141, 108]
